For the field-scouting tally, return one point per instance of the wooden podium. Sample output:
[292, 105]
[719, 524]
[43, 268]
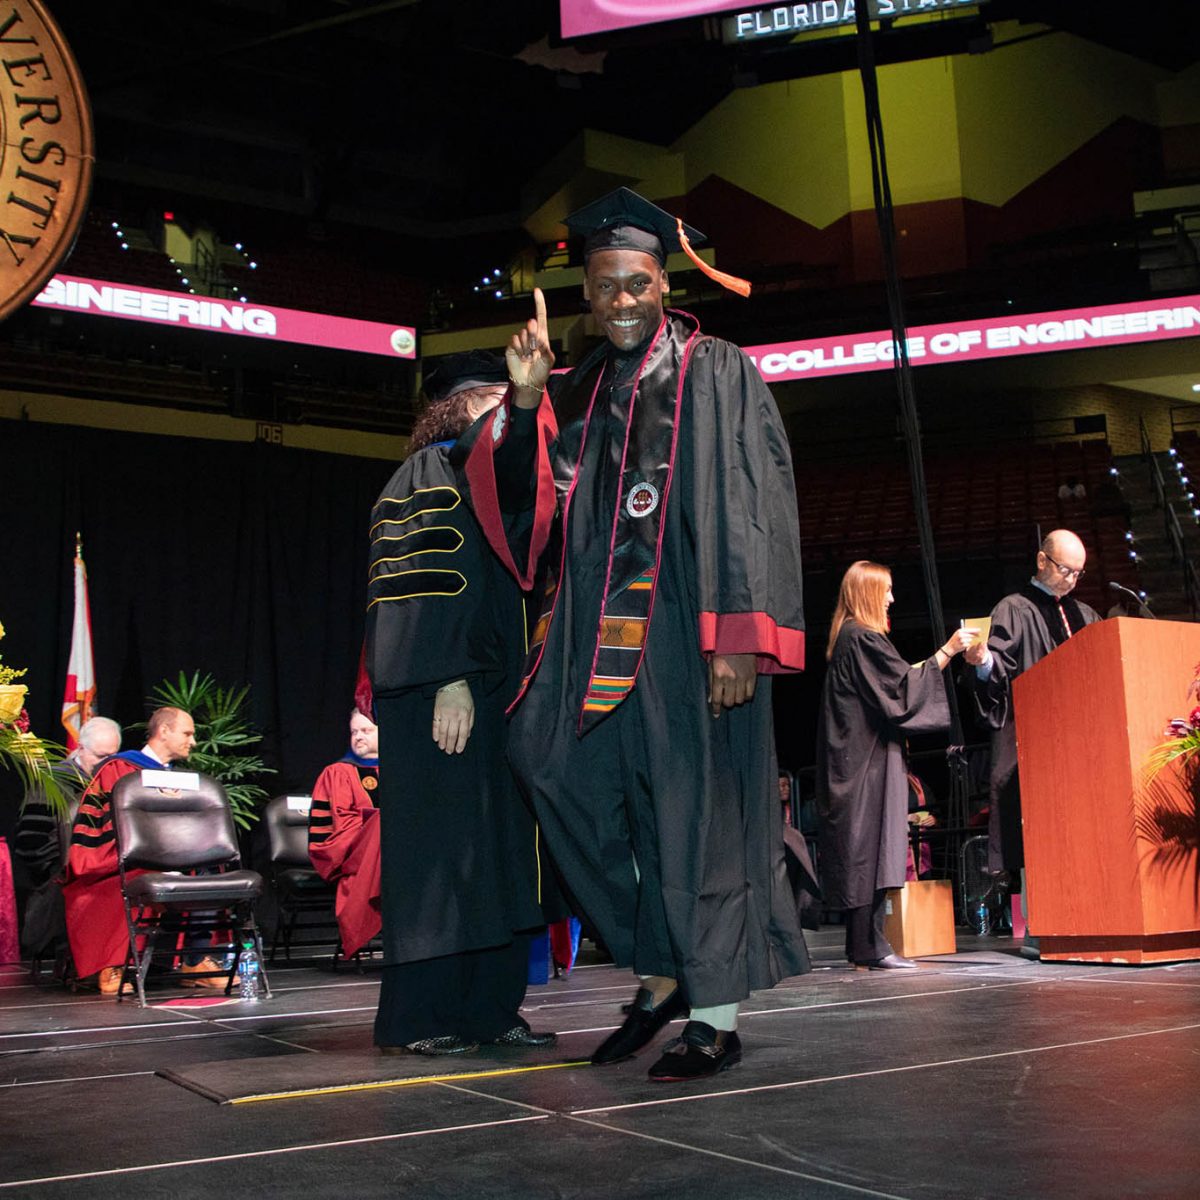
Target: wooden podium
[1112, 864]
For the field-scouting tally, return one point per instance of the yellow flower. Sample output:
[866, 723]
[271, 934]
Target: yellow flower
[1, 631]
[12, 700]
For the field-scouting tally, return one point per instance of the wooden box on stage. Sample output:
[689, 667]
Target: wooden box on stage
[919, 918]
[1112, 865]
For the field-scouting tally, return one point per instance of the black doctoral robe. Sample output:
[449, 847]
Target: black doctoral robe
[1026, 626]
[664, 821]
[872, 701]
[458, 845]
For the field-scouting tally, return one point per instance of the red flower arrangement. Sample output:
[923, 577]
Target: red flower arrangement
[1182, 733]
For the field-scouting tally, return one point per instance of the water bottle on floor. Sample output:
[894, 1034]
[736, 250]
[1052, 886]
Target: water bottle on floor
[247, 970]
[983, 918]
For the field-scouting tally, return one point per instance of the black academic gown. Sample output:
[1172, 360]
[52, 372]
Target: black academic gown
[458, 846]
[664, 821]
[1026, 626]
[872, 701]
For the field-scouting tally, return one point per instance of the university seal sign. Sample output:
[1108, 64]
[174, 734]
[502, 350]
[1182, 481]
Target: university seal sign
[46, 150]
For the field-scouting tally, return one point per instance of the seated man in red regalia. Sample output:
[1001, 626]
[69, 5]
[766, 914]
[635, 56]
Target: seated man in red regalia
[96, 926]
[343, 834]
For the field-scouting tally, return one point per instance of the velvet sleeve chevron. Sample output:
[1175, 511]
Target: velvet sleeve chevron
[92, 854]
[743, 514]
[339, 808]
[427, 581]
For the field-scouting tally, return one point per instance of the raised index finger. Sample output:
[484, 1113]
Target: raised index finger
[539, 311]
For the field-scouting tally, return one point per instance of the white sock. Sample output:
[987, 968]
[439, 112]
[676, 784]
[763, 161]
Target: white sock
[719, 1016]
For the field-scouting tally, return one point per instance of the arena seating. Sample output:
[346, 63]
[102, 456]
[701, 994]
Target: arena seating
[97, 254]
[987, 505]
[1186, 444]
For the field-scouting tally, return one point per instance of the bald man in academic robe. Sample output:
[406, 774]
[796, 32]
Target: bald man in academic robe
[1026, 626]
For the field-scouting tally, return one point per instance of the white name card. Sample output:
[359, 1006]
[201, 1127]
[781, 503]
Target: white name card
[172, 781]
[299, 803]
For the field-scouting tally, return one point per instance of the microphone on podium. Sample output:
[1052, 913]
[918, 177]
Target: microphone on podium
[1138, 598]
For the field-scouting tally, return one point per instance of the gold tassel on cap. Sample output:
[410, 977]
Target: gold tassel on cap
[732, 282]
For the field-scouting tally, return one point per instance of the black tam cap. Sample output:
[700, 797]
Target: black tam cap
[623, 220]
[457, 372]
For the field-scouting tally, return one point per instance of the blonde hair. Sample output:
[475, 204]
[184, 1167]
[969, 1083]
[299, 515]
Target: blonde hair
[862, 598]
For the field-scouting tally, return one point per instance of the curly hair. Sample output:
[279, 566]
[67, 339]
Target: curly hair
[442, 420]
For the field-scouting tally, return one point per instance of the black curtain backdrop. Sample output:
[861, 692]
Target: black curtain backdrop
[246, 561]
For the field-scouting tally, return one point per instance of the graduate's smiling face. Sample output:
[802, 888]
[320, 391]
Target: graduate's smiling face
[626, 290]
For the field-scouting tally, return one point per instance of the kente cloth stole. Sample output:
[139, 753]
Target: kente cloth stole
[635, 546]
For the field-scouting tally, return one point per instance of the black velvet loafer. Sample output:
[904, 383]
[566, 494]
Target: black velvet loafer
[639, 1027]
[699, 1052]
[522, 1035]
[432, 1047]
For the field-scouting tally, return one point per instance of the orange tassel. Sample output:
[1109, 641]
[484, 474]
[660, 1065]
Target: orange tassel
[732, 282]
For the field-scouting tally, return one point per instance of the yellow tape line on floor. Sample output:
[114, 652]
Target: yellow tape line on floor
[391, 1083]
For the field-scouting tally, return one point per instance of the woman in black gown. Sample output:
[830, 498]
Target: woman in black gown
[873, 700]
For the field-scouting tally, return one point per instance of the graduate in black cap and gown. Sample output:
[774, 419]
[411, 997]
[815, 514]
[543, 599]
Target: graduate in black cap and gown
[643, 733]
[445, 640]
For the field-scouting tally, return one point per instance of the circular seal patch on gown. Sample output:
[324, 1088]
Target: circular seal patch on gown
[642, 500]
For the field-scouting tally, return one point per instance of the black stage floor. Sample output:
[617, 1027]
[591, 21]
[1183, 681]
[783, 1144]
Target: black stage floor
[981, 1074]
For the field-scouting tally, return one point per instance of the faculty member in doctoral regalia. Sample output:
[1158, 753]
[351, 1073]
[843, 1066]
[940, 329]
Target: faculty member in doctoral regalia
[644, 733]
[445, 637]
[343, 837]
[1025, 627]
[96, 926]
[872, 701]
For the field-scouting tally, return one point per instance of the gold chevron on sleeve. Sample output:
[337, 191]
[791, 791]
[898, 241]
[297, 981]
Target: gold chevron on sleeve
[432, 539]
[393, 510]
[410, 585]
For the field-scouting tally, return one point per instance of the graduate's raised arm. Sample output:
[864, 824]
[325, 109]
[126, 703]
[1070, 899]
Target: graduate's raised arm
[529, 356]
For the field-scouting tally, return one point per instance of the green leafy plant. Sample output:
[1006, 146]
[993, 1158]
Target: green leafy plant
[22, 751]
[223, 739]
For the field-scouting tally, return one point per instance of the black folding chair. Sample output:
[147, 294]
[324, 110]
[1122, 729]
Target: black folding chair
[184, 844]
[305, 900]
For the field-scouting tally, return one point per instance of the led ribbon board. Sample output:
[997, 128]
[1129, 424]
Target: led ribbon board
[258, 321]
[970, 341]
[581, 17]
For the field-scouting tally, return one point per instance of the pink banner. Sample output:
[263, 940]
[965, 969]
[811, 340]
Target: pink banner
[227, 316]
[581, 17]
[996, 337]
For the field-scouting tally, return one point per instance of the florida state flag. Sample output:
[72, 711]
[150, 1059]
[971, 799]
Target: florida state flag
[80, 692]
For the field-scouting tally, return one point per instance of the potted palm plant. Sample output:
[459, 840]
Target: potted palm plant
[224, 739]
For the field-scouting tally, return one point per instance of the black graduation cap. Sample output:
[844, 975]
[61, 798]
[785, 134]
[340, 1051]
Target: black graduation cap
[623, 220]
[467, 369]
